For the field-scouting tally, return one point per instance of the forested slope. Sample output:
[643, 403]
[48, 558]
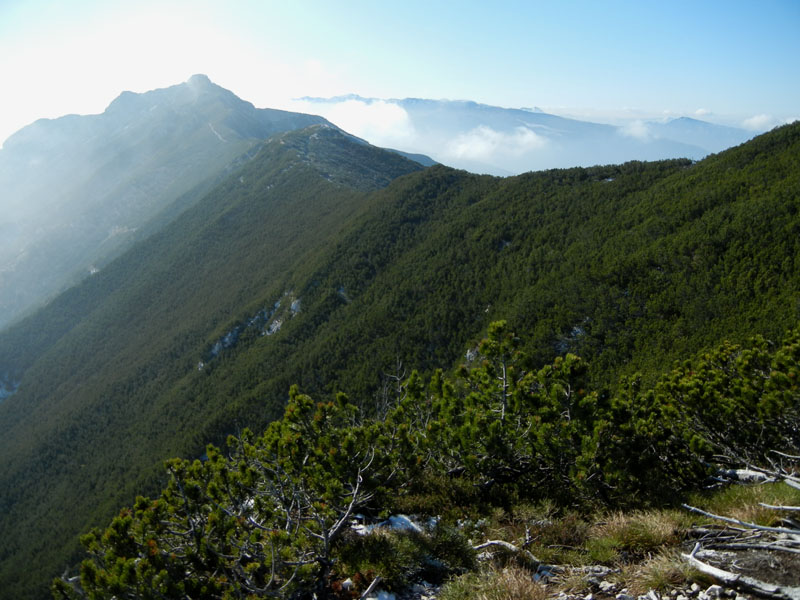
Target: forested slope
[92, 418]
[630, 267]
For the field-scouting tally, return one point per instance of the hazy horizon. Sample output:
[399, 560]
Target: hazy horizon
[730, 63]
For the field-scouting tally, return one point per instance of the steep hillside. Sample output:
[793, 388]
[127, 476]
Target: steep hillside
[114, 346]
[303, 268]
[76, 190]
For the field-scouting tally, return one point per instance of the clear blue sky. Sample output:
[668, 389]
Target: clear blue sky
[720, 60]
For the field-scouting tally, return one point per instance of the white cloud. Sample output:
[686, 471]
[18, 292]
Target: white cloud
[485, 144]
[636, 129]
[760, 122]
[379, 122]
[702, 112]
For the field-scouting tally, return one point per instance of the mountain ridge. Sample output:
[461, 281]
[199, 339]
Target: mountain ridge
[77, 188]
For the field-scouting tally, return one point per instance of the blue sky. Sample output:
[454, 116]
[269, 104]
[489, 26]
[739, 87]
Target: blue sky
[734, 62]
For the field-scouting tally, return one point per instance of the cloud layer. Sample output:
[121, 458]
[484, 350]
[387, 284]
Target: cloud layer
[379, 122]
[485, 144]
[760, 123]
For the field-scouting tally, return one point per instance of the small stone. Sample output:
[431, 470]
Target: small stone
[681, 597]
[714, 591]
[624, 596]
[606, 587]
[695, 588]
[589, 596]
[673, 593]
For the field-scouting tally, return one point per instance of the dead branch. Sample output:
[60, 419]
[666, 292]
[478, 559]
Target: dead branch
[741, 546]
[530, 558]
[371, 587]
[774, 507]
[783, 475]
[742, 523]
[789, 456]
[778, 592]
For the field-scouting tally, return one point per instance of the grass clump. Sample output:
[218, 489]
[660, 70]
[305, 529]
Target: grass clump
[507, 583]
[662, 572]
[640, 532]
[743, 502]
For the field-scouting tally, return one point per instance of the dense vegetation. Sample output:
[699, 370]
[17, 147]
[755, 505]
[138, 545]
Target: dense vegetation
[273, 517]
[630, 267]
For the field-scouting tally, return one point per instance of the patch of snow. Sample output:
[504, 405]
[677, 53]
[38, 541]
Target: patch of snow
[295, 307]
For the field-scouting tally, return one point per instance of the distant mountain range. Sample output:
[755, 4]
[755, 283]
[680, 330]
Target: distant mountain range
[503, 141]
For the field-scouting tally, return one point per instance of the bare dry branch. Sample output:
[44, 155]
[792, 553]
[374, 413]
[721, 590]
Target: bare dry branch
[773, 507]
[371, 587]
[742, 523]
[534, 562]
[762, 588]
[789, 456]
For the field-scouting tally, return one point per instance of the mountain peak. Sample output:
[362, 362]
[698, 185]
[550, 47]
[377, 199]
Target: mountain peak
[199, 79]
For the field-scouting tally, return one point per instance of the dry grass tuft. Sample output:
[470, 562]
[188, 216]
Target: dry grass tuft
[641, 532]
[663, 571]
[509, 583]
